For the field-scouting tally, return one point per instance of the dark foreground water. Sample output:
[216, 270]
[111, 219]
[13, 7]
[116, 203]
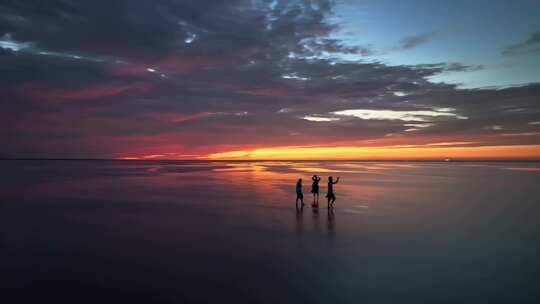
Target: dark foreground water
[216, 232]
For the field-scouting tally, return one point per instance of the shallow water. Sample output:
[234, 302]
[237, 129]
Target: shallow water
[166, 231]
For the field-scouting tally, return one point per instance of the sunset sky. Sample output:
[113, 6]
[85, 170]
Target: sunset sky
[267, 79]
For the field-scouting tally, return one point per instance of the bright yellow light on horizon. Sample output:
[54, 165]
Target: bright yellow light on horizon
[427, 152]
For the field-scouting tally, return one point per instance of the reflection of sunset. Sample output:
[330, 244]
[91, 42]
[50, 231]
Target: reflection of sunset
[385, 153]
[270, 151]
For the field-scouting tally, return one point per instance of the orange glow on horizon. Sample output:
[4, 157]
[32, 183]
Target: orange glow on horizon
[433, 151]
[438, 151]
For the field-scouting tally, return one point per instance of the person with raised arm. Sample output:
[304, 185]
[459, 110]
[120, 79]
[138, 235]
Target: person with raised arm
[315, 190]
[330, 193]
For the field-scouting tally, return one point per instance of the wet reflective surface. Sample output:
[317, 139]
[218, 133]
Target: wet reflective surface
[161, 232]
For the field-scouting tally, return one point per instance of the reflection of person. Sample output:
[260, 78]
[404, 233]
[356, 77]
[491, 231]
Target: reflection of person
[330, 221]
[315, 190]
[299, 215]
[299, 194]
[330, 194]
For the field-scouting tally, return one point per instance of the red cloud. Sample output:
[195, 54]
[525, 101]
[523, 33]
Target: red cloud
[97, 91]
[172, 64]
[174, 117]
[278, 91]
[182, 64]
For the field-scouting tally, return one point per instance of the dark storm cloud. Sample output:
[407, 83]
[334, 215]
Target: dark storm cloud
[103, 78]
[531, 45]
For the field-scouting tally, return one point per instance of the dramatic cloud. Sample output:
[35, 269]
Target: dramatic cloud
[173, 78]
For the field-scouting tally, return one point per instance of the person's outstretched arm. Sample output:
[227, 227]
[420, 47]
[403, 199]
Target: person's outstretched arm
[337, 180]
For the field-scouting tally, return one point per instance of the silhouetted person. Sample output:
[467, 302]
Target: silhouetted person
[299, 194]
[315, 190]
[330, 194]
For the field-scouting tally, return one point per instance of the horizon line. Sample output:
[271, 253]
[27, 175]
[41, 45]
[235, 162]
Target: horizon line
[445, 160]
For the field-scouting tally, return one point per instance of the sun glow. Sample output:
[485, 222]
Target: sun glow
[427, 152]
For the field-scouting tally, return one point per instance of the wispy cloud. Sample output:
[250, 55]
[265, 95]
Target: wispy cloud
[8, 43]
[531, 45]
[415, 116]
[414, 41]
[320, 119]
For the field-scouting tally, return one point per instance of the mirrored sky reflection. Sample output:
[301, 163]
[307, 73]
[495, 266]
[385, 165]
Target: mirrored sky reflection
[182, 79]
[413, 231]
